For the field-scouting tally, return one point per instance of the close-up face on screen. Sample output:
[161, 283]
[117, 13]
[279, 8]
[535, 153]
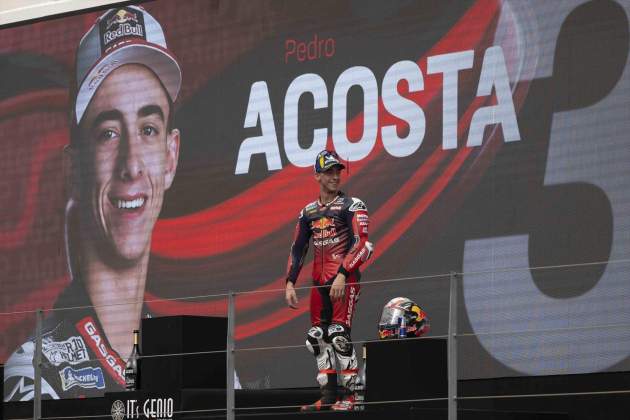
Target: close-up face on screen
[315, 168]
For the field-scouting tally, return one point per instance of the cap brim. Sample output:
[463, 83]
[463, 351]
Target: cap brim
[157, 59]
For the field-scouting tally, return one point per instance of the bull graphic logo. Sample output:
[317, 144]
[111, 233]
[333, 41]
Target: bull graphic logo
[323, 227]
[120, 17]
[323, 223]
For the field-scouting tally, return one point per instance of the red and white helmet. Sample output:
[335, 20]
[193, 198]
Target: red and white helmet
[416, 320]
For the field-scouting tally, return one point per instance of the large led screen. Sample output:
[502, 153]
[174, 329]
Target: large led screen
[486, 138]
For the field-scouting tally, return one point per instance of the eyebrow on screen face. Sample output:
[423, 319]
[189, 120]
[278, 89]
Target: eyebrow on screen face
[116, 115]
[147, 110]
[111, 115]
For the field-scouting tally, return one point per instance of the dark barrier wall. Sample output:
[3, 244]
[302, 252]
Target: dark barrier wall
[485, 137]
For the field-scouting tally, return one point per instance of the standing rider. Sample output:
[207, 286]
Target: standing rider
[338, 225]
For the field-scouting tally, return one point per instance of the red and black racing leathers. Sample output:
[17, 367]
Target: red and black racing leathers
[339, 231]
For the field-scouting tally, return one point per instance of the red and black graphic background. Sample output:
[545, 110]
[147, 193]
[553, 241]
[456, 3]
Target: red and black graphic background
[560, 184]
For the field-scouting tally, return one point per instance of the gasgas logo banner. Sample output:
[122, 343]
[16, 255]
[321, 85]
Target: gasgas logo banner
[484, 137]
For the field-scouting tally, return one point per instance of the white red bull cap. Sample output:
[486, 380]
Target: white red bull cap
[125, 35]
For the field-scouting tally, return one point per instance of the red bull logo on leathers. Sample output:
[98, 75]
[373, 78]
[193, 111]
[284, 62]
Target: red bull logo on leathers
[323, 227]
[322, 223]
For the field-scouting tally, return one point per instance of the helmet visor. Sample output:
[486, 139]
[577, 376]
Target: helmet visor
[391, 315]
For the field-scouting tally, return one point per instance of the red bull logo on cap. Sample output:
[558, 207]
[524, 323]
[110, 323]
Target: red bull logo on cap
[119, 25]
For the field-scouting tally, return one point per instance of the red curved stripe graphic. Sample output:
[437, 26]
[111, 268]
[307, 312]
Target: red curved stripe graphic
[189, 237]
[408, 219]
[44, 100]
[256, 300]
[49, 144]
[251, 301]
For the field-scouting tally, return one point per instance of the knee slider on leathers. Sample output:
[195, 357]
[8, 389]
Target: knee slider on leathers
[339, 337]
[315, 340]
[316, 343]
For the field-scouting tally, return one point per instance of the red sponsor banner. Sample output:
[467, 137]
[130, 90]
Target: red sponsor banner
[97, 341]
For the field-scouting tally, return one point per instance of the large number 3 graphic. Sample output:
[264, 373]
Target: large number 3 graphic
[585, 328]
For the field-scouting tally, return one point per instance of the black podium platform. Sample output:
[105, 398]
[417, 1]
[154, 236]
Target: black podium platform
[408, 369]
[178, 353]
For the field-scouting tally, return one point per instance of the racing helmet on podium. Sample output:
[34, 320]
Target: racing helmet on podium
[416, 322]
